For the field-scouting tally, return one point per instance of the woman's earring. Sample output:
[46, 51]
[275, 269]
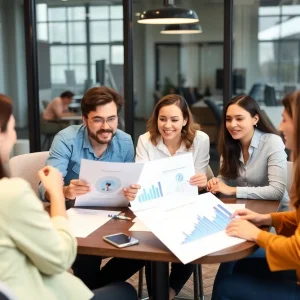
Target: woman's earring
[255, 125]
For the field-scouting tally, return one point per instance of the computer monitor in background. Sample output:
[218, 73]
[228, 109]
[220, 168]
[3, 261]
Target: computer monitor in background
[219, 79]
[238, 80]
[100, 71]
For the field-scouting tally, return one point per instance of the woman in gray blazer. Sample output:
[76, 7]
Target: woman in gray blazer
[253, 161]
[253, 158]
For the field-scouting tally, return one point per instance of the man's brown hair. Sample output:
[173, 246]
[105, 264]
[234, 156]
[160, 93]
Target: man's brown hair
[100, 96]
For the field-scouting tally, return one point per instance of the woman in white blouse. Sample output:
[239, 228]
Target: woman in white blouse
[171, 132]
[253, 159]
[36, 248]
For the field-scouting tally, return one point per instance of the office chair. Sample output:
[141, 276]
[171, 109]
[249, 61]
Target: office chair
[26, 166]
[188, 95]
[48, 131]
[289, 89]
[270, 96]
[255, 91]
[45, 104]
[216, 110]
[156, 96]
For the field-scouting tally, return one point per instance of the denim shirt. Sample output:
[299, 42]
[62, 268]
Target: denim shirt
[72, 144]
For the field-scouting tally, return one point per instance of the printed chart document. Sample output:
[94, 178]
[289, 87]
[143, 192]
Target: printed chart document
[85, 221]
[190, 226]
[107, 179]
[139, 225]
[163, 178]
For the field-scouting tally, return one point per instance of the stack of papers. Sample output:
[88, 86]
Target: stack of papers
[85, 221]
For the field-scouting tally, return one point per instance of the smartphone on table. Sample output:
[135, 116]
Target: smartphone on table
[120, 240]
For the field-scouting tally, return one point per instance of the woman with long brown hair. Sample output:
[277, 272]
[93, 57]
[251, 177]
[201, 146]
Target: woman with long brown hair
[253, 158]
[171, 132]
[254, 278]
[37, 249]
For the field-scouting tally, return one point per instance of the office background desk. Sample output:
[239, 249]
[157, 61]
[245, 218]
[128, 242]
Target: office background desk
[73, 120]
[151, 249]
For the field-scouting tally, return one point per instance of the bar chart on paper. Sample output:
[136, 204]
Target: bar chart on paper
[205, 227]
[151, 192]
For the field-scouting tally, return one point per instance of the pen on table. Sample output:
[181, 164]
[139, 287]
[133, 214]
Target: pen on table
[120, 217]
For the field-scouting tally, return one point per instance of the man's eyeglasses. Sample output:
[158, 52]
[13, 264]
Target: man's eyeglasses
[101, 121]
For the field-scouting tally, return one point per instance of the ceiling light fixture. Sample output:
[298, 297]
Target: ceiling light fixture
[182, 29]
[169, 14]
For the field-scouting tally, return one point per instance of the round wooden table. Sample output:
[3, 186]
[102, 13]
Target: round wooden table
[152, 249]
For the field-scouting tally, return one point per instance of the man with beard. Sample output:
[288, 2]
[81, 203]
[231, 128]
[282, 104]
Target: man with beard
[96, 139]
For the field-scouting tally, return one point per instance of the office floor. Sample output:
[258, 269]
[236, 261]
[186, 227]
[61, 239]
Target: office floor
[208, 273]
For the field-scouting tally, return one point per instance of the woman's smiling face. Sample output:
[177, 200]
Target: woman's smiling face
[239, 122]
[170, 122]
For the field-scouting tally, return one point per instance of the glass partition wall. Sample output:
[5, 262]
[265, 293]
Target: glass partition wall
[13, 67]
[165, 63]
[78, 40]
[266, 52]
[80, 45]
[187, 64]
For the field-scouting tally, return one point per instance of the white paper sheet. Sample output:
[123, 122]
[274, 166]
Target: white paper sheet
[85, 221]
[107, 179]
[236, 206]
[163, 179]
[192, 228]
[138, 226]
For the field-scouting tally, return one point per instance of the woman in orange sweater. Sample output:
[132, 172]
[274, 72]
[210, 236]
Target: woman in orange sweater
[254, 278]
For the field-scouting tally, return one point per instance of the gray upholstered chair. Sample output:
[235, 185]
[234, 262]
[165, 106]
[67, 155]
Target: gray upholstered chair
[270, 96]
[26, 166]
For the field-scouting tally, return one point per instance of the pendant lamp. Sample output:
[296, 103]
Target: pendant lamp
[169, 14]
[182, 29]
